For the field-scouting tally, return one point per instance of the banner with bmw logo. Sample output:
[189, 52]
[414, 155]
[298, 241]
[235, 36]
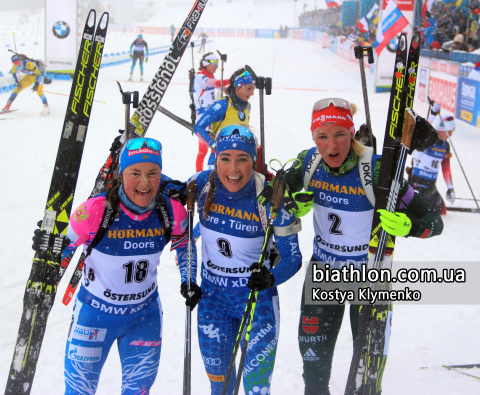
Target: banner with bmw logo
[61, 36]
[395, 16]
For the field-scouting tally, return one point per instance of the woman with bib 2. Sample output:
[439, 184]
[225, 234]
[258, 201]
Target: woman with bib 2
[343, 175]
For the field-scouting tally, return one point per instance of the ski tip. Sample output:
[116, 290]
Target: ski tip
[69, 294]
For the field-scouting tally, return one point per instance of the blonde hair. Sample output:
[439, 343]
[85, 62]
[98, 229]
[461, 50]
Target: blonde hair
[357, 147]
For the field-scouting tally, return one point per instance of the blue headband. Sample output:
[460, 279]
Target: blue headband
[243, 79]
[140, 150]
[237, 137]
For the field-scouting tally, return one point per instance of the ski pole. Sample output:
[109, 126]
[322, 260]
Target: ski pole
[127, 100]
[460, 163]
[187, 363]
[36, 38]
[181, 121]
[276, 201]
[63, 94]
[359, 54]
[261, 83]
[223, 58]
[191, 74]
[14, 43]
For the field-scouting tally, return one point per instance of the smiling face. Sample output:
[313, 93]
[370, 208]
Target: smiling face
[234, 169]
[333, 143]
[244, 92]
[141, 182]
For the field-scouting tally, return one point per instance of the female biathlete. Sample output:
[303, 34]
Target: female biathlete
[231, 110]
[124, 233]
[204, 96]
[232, 225]
[426, 164]
[342, 219]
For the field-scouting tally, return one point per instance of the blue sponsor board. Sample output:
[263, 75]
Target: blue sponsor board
[333, 44]
[308, 35]
[265, 33]
[468, 99]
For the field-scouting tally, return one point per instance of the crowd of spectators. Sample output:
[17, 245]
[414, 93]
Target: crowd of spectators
[446, 28]
[451, 28]
[327, 20]
[316, 19]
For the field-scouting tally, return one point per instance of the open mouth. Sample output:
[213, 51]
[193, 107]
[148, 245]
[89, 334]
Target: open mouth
[142, 192]
[234, 180]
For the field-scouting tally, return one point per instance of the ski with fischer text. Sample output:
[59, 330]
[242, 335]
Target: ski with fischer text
[46, 269]
[142, 118]
[371, 345]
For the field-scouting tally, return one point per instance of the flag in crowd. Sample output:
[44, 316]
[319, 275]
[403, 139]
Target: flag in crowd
[371, 18]
[392, 23]
[331, 3]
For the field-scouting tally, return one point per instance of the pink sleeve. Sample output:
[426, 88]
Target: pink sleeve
[85, 221]
[180, 224]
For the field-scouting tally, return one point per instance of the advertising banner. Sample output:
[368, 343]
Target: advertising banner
[222, 32]
[443, 89]
[61, 36]
[395, 18]
[423, 77]
[468, 107]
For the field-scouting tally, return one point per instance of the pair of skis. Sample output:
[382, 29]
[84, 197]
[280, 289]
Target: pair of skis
[140, 121]
[46, 270]
[371, 344]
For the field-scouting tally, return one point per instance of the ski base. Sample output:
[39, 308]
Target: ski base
[464, 209]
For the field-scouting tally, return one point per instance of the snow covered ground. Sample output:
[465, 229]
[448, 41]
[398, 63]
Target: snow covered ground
[302, 73]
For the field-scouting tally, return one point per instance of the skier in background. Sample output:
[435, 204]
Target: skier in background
[204, 96]
[203, 36]
[172, 31]
[140, 51]
[426, 164]
[231, 110]
[26, 73]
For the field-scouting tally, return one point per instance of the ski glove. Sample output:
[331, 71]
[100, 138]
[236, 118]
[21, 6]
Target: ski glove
[35, 87]
[40, 238]
[131, 56]
[436, 109]
[146, 60]
[424, 135]
[192, 297]
[304, 202]
[117, 144]
[395, 224]
[451, 195]
[260, 278]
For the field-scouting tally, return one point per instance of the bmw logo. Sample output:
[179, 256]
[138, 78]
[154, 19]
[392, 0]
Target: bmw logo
[241, 115]
[61, 29]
